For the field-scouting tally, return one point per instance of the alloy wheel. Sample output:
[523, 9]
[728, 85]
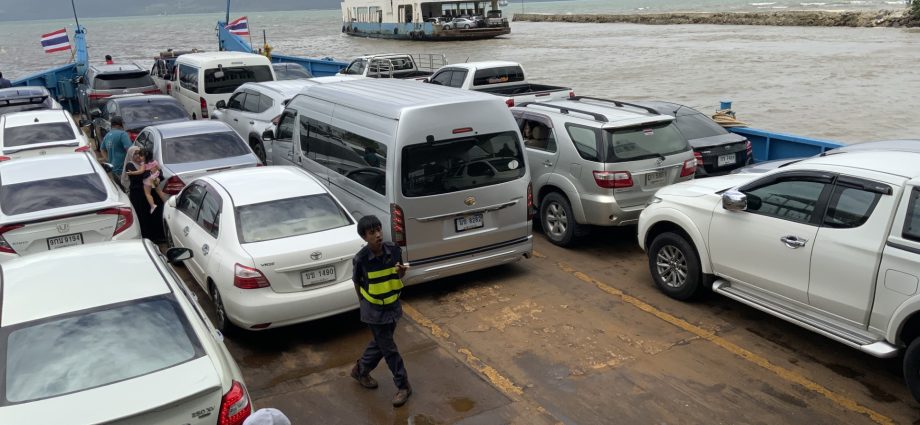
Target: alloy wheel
[556, 220]
[218, 307]
[672, 266]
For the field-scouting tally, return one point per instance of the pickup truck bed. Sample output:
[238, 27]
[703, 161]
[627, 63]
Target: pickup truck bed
[519, 89]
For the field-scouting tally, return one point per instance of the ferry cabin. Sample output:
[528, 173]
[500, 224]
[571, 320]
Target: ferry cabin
[432, 20]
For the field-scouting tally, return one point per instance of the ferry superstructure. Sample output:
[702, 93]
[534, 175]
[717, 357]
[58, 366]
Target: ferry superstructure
[431, 20]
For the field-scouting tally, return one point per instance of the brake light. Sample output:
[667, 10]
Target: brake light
[234, 406]
[462, 130]
[4, 158]
[204, 107]
[248, 277]
[125, 218]
[133, 135]
[168, 88]
[699, 157]
[530, 210]
[173, 185]
[97, 96]
[4, 245]
[154, 91]
[509, 102]
[572, 94]
[613, 179]
[689, 168]
[397, 225]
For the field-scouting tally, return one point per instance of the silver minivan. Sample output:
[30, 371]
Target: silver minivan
[443, 169]
[598, 162]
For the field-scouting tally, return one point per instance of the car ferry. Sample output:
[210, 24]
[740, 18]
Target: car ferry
[432, 20]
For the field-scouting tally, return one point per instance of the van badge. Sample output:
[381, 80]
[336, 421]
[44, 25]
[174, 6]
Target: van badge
[316, 255]
[470, 201]
[660, 160]
[63, 228]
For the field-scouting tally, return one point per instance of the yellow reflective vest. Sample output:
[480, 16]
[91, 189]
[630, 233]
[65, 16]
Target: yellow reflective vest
[382, 287]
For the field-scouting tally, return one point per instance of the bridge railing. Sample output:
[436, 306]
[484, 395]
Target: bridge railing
[317, 67]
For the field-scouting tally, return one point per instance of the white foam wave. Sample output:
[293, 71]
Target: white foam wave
[812, 4]
[762, 4]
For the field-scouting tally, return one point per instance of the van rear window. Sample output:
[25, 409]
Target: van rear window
[122, 80]
[459, 164]
[629, 144]
[233, 77]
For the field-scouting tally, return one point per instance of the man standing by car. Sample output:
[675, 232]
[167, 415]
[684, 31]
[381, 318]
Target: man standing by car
[378, 270]
[4, 83]
[115, 146]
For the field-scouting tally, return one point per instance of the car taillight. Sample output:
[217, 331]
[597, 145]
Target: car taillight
[173, 185]
[571, 94]
[530, 210]
[168, 88]
[204, 107]
[125, 218]
[4, 245]
[699, 157]
[248, 277]
[133, 135]
[509, 102]
[397, 225]
[4, 158]
[689, 168]
[97, 96]
[613, 179]
[154, 91]
[82, 149]
[234, 406]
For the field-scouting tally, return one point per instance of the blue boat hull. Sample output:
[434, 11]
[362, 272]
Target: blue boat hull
[423, 32]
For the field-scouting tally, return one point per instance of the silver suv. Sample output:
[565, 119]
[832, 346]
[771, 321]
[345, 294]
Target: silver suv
[104, 81]
[597, 161]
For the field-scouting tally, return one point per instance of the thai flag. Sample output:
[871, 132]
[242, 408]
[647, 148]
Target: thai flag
[239, 26]
[56, 41]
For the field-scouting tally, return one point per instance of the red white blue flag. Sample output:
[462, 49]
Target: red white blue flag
[239, 26]
[56, 41]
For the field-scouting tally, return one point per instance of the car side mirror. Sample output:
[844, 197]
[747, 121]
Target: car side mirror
[80, 80]
[107, 167]
[85, 122]
[268, 135]
[178, 255]
[95, 113]
[734, 200]
[220, 104]
[171, 201]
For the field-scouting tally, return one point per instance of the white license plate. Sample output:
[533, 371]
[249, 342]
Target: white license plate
[317, 276]
[65, 241]
[468, 222]
[656, 178]
[726, 160]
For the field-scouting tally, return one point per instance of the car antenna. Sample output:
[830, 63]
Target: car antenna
[429, 139]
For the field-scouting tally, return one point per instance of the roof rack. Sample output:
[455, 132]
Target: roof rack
[617, 103]
[565, 110]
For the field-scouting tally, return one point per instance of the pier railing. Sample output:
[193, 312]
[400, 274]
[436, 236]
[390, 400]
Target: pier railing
[768, 145]
[317, 67]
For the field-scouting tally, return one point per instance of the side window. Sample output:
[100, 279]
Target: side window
[190, 200]
[538, 135]
[305, 138]
[793, 200]
[585, 141]
[442, 78]
[850, 207]
[912, 221]
[236, 101]
[359, 158]
[458, 78]
[209, 217]
[251, 104]
[188, 77]
[356, 68]
[265, 103]
[286, 126]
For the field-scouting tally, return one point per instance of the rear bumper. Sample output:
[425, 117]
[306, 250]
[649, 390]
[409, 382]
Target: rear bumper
[430, 269]
[603, 210]
[248, 307]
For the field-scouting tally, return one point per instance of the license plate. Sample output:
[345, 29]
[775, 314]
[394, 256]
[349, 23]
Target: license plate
[656, 178]
[726, 160]
[65, 241]
[317, 276]
[468, 222]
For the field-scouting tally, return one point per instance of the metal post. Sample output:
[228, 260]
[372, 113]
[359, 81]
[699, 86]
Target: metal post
[227, 22]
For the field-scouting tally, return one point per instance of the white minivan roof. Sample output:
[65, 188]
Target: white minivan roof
[221, 57]
[390, 97]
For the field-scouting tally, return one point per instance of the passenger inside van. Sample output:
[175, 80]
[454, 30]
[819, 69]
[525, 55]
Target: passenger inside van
[538, 136]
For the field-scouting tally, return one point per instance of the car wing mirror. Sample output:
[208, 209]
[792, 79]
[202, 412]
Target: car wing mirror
[220, 104]
[178, 255]
[95, 113]
[85, 122]
[171, 202]
[268, 135]
[734, 200]
[107, 167]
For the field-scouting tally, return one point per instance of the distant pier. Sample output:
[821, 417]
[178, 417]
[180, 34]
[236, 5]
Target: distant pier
[882, 18]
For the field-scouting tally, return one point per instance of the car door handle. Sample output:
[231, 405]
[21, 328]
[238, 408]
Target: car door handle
[236, 120]
[185, 231]
[547, 163]
[252, 123]
[793, 241]
[205, 249]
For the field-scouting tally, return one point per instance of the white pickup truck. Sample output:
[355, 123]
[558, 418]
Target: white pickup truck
[506, 79]
[399, 65]
[830, 243]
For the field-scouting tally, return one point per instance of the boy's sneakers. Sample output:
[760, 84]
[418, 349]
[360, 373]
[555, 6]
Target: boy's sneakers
[402, 396]
[366, 381]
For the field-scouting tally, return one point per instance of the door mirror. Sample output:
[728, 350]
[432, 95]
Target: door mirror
[734, 200]
[95, 113]
[171, 202]
[85, 122]
[220, 104]
[107, 167]
[268, 135]
[178, 255]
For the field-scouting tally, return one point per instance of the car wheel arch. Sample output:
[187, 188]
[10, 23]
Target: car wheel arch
[679, 225]
[567, 189]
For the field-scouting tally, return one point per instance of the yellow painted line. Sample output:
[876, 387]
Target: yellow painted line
[786, 374]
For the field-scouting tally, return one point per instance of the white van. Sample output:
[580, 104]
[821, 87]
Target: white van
[206, 78]
[443, 169]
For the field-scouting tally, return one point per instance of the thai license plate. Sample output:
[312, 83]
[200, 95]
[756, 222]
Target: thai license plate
[726, 160]
[317, 276]
[655, 178]
[65, 241]
[468, 222]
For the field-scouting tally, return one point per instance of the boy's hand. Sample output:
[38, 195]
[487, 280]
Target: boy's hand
[401, 269]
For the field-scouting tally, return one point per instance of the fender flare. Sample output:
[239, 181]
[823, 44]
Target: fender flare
[899, 318]
[676, 217]
[568, 189]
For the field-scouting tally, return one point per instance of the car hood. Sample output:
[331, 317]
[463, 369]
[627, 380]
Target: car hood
[707, 186]
[717, 140]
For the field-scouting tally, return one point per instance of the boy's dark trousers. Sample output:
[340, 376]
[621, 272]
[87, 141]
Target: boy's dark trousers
[384, 347]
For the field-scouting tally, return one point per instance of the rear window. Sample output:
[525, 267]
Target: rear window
[460, 164]
[698, 126]
[499, 75]
[96, 348]
[37, 134]
[634, 143]
[289, 217]
[137, 114]
[126, 80]
[234, 76]
[46, 194]
[203, 147]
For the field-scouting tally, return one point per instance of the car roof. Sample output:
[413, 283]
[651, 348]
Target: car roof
[44, 167]
[145, 98]
[903, 164]
[247, 185]
[20, 92]
[186, 128]
[390, 97]
[905, 145]
[42, 116]
[58, 282]
[616, 116]
[669, 108]
[286, 88]
[116, 68]
[482, 65]
[225, 55]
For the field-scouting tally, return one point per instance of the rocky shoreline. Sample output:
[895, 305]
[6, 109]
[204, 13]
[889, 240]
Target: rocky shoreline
[882, 18]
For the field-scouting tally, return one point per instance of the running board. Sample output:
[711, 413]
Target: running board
[835, 331]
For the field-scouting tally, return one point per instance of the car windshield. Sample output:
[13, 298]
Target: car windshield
[46, 194]
[698, 126]
[289, 217]
[138, 115]
[95, 348]
[25, 135]
[233, 77]
[288, 72]
[654, 140]
[122, 80]
[460, 164]
[203, 147]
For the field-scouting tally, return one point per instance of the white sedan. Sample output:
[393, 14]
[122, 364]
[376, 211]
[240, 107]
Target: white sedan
[36, 133]
[57, 201]
[272, 246]
[108, 334]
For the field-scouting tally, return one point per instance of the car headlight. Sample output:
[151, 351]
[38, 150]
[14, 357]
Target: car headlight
[653, 200]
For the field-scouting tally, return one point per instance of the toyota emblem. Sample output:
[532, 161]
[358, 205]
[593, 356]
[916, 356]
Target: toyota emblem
[470, 201]
[316, 255]
[63, 228]
[660, 160]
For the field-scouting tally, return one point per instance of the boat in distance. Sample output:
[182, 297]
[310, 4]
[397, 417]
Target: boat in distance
[431, 20]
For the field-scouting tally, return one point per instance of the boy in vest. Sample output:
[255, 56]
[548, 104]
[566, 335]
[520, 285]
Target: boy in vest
[378, 268]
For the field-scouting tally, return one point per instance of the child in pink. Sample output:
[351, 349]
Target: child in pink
[152, 180]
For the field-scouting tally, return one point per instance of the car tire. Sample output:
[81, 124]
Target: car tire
[558, 220]
[675, 266]
[466, 27]
[446, 28]
[259, 149]
[912, 368]
[221, 322]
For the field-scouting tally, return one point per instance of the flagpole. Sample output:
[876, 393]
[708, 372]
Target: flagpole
[227, 22]
[74, 6]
